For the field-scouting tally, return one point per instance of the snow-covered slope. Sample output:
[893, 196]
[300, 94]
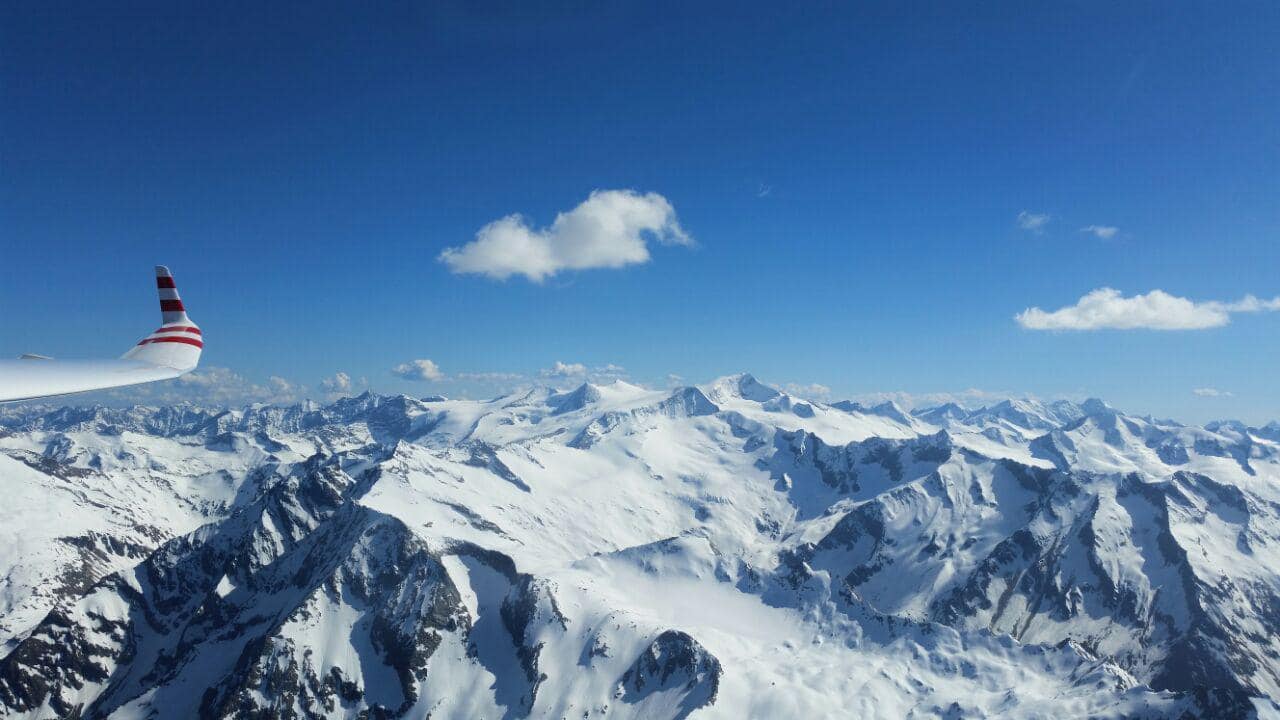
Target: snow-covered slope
[723, 551]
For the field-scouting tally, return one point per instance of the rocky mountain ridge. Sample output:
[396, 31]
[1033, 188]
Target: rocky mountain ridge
[727, 550]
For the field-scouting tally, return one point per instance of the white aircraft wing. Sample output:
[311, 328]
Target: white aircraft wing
[172, 350]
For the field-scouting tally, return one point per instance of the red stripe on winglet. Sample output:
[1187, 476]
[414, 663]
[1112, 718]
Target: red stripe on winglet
[165, 282]
[180, 328]
[183, 340]
[171, 306]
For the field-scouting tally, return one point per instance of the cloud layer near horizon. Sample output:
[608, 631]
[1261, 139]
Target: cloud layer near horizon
[610, 229]
[1108, 309]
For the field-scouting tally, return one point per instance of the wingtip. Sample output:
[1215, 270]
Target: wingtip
[162, 271]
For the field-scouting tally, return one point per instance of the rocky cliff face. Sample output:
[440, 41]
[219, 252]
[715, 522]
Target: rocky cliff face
[611, 551]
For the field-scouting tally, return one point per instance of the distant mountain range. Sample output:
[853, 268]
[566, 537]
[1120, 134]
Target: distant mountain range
[720, 551]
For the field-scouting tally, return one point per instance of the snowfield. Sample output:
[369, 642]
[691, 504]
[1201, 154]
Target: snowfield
[721, 551]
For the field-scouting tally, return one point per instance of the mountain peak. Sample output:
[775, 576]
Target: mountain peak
[504, 542]
[850, 406]
[893, 410]
[1094, 406]
[942, 414]
[745, 386]
[576, 399]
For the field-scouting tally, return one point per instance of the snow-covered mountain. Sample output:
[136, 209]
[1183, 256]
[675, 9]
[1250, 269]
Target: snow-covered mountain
[722, 551]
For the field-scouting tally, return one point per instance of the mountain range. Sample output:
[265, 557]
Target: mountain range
[612, 551]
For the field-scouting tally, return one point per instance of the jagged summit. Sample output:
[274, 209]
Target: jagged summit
[618, 551]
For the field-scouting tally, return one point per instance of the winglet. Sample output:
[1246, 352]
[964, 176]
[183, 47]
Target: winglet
[171, 308]
[178, 342]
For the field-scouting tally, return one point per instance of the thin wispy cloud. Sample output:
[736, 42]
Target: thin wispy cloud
[1104, 232]
[1109, 309]
[971, 398]
[610, 229]
[419, 370]
[489, 377]
[1032, 222]
[1212, 393]
[808, 391]
[563, 372]
[610, 370]
[1249, 303]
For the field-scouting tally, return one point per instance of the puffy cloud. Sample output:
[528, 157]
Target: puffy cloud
[1032, 222]
[339, 383]
[1105, 232]
[1107, 308]
[564, 370]
[610, 229]
[420, 370]
[1212, 392]
[224, 387]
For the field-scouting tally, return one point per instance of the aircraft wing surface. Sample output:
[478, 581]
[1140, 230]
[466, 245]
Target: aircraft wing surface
[172, 350]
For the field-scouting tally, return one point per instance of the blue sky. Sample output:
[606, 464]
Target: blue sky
[851, 181]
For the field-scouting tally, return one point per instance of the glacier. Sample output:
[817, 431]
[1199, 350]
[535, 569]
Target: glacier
[726, 550]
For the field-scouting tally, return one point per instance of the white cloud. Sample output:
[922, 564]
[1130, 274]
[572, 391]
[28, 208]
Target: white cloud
[811, 391]
[578, 372]
[339, 383]
[210, 386]
[1105, 232]
[489, 377]
[972, 398]
[1032, 222]
[564, 370]
[1107, 308]
[609, 229]
[1212, 392]
[420, 370]
[608, 372]
[1251, 304]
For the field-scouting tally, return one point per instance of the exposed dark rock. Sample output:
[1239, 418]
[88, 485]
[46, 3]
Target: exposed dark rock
[674, 661]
